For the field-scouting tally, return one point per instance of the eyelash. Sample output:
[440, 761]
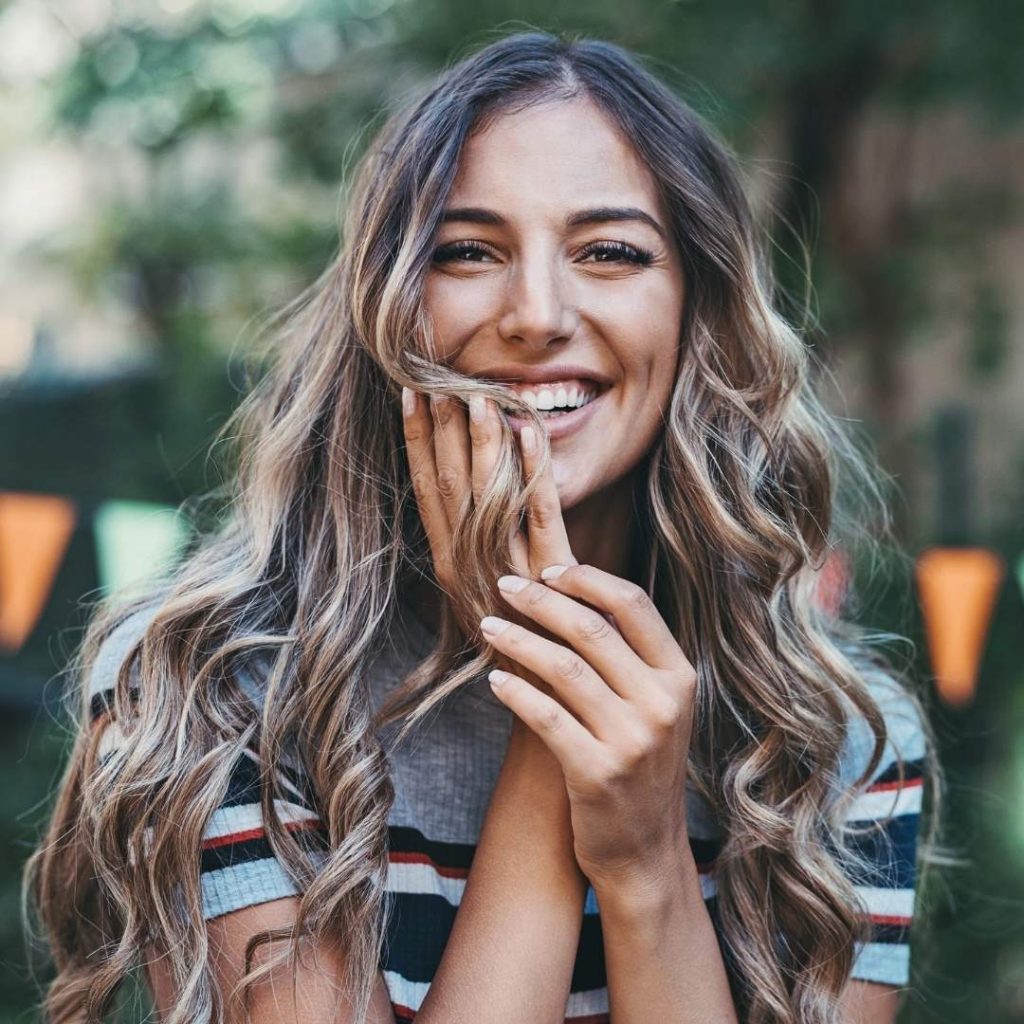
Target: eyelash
[626, 253]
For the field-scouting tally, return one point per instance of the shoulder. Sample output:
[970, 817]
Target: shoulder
[906, 738]
[115, 648]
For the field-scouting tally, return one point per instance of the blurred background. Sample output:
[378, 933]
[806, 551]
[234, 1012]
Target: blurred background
[172, 172]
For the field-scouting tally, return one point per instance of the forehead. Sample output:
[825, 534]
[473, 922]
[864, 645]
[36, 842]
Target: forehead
[553, 155]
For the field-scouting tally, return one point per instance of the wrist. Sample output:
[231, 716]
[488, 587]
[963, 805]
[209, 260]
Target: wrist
[650, 887]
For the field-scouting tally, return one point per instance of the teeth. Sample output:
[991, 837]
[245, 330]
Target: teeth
[546, 399]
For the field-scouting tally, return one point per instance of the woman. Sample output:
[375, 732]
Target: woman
[678, 735]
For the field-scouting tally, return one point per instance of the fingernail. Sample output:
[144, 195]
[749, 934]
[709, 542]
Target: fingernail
[497, 677]
[511, 584]
[493, 625]
[527, 439]
[477, 410]
[552, 572]
[408, 401]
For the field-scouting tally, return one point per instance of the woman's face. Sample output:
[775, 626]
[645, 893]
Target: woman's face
[555, 261]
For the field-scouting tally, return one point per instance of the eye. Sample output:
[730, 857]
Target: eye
[455, 251]
[615, 252]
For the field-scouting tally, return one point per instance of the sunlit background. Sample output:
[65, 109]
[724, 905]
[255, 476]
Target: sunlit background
[171, 173]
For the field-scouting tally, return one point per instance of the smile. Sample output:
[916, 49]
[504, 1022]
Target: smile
[564, 410]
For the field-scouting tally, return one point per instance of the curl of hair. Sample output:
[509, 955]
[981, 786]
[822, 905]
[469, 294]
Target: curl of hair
[737, 511]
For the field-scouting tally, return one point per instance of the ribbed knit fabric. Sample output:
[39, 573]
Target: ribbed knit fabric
[444, 774]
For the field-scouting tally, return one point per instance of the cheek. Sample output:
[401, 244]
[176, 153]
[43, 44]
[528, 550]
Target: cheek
[456, 309]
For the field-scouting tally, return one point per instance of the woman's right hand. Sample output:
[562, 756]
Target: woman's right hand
[452, 457]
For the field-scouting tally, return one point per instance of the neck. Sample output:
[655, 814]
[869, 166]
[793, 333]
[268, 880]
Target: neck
[602, 530]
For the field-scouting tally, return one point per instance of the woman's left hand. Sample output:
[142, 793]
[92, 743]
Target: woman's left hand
[622, 729]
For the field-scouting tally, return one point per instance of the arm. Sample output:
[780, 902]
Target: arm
[512, 948]
[314, 996]
[661, 952]
[511, 952]
[865, 1002]
[663, 959]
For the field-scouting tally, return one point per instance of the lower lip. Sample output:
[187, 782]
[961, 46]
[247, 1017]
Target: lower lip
[559, 426]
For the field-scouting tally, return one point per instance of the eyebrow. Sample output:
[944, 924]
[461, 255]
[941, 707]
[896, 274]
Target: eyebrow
[596, 215]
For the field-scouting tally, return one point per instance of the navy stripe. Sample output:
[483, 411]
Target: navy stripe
[234, 854]
[405, 839]
[419, 925]
[890, 934]
[911, 770]
[103, 701]
[891, 852]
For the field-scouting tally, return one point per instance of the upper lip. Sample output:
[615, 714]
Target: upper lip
[544, 374]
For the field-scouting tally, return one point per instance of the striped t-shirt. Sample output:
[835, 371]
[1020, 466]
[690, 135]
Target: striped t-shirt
[444, 774]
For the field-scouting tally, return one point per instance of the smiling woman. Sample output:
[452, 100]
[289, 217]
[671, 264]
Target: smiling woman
[540, 415]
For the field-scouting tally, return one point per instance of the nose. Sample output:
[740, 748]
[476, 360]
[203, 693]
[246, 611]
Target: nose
[539, 306]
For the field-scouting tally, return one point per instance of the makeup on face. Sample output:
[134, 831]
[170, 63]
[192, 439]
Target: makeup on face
[555, 275]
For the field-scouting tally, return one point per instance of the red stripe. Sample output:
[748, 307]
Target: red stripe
[884, 787]
[255, 833]
[422, 858]
[889, 919]
[406, 1013]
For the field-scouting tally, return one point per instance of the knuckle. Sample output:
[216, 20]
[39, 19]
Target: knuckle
[664, 711]
[535, 594]
[420, 482]
[611, 772]
[447, 481]
[634, 597]
[592, 627]
[540, 513]
[479, 437]
[636, 746]
[550, 719]
[569, 667]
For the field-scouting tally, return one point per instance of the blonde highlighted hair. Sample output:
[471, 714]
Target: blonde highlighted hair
[738, 506]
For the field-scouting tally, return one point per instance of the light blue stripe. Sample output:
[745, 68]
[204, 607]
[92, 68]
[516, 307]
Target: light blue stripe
[244, 885]
[886, 963]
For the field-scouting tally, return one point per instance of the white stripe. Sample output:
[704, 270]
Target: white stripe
[110, 740]
[583, 1004]
[419, 878]
[708, 885]
[412, 993]
[226, 820]
[405, 993]
[886, 803]
[424, 878]
[895, 902]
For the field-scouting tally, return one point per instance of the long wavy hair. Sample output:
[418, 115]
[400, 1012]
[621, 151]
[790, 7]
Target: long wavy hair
[738, 507]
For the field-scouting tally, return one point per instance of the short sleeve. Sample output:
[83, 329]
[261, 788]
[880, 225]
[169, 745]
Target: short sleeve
[238, 868]
[882, 825]
[237, 865]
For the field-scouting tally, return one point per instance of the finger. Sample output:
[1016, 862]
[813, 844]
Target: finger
[548, 539]
[484, 443]
[636, 615]
[588, 632]
[451, 454]
[576, 684]
[418, 427]
[576, 749]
